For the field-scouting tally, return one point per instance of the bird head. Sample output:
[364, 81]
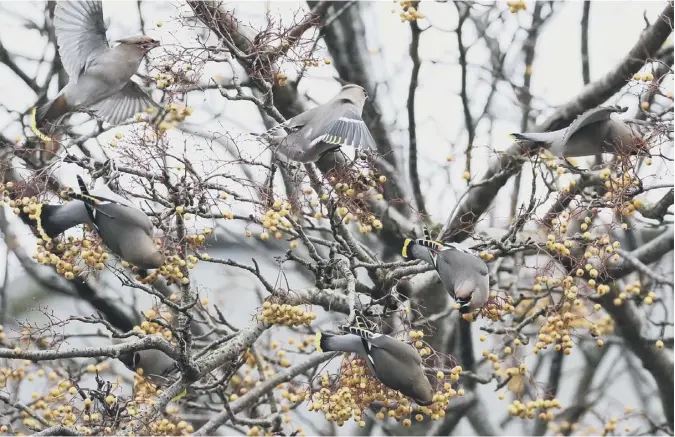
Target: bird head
[354, 93]
[464, 305]
[142, 42]
[150, 258]
[423, 393]
[131, 360]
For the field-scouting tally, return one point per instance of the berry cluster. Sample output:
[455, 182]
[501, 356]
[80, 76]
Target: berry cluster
[529, 409]
[286, 315]
[408, 12]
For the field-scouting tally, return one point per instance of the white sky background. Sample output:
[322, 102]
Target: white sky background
[614, 28]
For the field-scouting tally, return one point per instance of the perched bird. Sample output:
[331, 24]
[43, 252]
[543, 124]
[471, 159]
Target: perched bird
[155, 363]
[100, 76]
[337, 124]
[596, 131]
[126, 230]
[464, 275]
[396, 364]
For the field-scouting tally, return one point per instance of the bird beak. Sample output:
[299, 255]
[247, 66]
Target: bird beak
[151, 45]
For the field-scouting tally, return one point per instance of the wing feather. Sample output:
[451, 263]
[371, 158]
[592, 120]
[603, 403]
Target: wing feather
[344, 127]
[123, 105]
[80, 34]
[595, 115]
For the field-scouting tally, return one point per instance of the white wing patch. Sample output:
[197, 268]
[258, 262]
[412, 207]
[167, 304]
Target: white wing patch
[350, 120]
[362, 332]
[344, 132]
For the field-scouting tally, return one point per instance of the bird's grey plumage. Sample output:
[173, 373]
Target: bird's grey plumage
[463, 275]
[337, 124]
[100, 77]
[155, 363]
[596, 131]
[62, 217]
[396, 364]
[126, 230]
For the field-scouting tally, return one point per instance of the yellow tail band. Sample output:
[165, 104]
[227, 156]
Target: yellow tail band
[317, 342]
[404, 251]
[34, 128]
[38, 220]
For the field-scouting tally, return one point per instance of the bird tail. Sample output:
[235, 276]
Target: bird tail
[37, 215]
[406, 243]
[322, 342]
[51, 111]
[47, 225]
[44, 117]
[429, 244]
[536, 138]
[339, 343]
